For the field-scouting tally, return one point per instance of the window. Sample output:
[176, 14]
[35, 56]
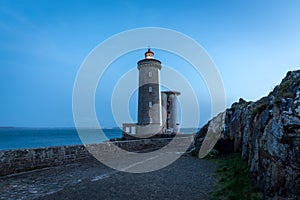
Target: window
[150, 104]
[150, 74]
[150, 89]
[133, 130]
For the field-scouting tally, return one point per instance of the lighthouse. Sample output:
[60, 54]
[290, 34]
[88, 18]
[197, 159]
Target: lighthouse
[149, 95]
[157, 110]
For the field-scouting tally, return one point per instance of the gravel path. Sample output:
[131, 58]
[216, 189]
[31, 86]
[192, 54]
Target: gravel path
[186, 178]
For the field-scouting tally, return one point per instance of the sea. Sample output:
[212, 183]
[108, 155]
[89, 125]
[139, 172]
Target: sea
[20, 138]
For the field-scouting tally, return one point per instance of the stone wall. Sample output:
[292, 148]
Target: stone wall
[14, 161]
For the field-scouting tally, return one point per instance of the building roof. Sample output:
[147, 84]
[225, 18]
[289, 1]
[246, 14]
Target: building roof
[171, 92]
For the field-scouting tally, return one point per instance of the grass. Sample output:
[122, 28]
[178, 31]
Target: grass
[284, 90]
[259, 106]
[234, 181]
[212, 154]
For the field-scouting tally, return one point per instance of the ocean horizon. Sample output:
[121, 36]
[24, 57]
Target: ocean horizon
[27, 137]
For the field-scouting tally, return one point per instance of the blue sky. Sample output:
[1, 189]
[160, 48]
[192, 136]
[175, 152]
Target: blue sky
[43, 43]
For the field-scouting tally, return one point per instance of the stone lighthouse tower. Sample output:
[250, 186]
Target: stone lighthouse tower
[157, 111]
[149, 98]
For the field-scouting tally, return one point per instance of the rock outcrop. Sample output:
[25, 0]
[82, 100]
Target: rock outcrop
[266, 133]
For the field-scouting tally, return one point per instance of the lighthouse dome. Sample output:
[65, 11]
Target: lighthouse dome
[149, 54]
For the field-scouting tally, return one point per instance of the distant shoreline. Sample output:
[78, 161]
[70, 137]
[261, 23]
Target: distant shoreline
[12, 138]
[33, 127]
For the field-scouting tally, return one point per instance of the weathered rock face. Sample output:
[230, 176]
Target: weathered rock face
[267, 133]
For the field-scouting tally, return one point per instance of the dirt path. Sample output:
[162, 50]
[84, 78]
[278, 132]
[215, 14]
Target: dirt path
[186, 178]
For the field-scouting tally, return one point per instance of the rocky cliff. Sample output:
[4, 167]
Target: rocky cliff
[266, 133]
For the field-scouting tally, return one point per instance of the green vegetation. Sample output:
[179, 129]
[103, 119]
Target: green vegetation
[234, 181]
[212, 154]
[259, 106]
[284, 90]
[287, 87]
[194, 152]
